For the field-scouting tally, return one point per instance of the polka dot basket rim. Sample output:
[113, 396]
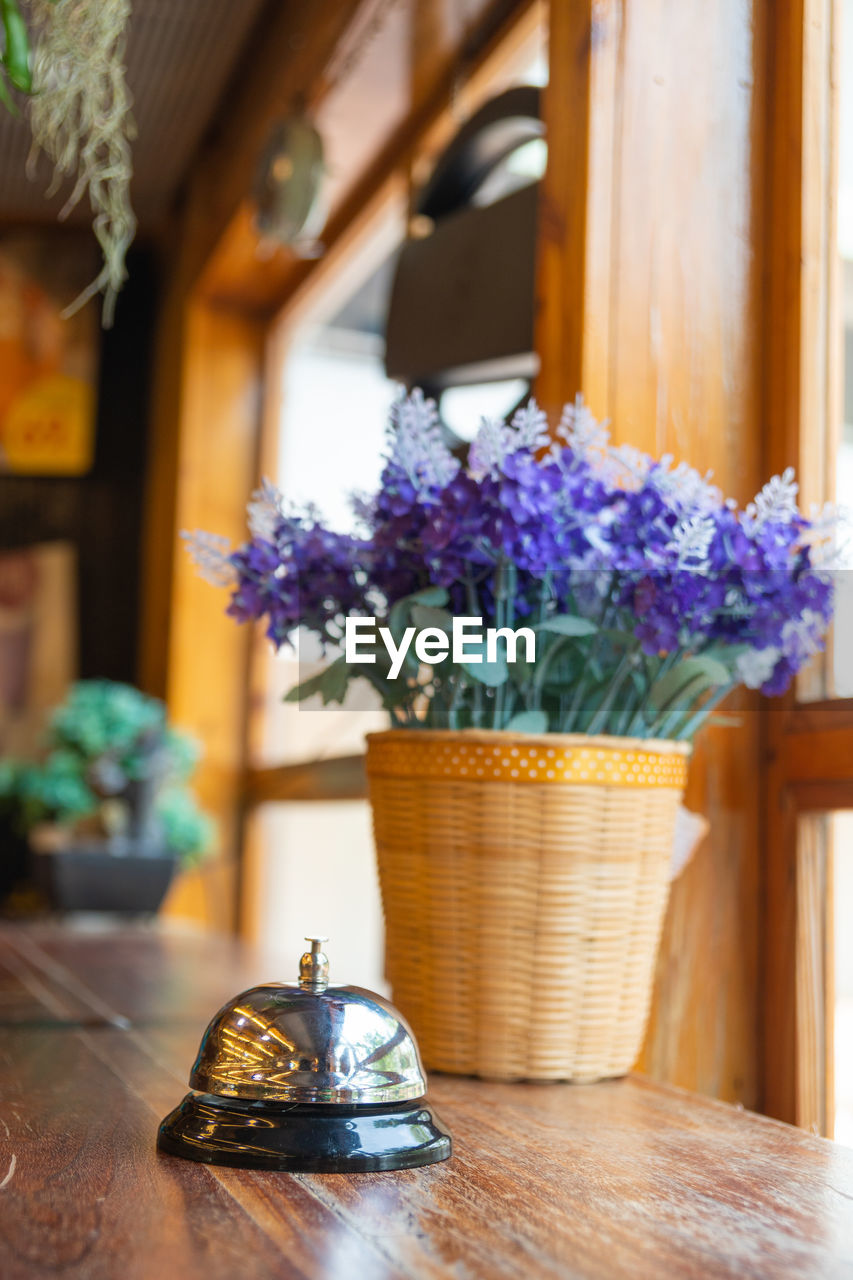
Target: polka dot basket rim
[505, 756]
[604, 741]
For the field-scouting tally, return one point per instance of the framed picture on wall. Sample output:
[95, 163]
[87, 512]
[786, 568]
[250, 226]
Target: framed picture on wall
[48, 361]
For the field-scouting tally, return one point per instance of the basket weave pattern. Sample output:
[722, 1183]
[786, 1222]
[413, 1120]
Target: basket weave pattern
[524, 881]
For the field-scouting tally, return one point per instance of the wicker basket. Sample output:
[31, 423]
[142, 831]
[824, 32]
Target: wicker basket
[524, 880]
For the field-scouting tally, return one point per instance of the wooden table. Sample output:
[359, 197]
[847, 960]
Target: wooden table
[97, 1033]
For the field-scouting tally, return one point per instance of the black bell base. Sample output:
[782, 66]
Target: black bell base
[304, 1139]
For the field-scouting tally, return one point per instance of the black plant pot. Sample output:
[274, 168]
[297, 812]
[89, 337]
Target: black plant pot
[14, 858]
[88, 877]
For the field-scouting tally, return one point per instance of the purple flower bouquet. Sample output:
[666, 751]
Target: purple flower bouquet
[617, 595]
[648, 595]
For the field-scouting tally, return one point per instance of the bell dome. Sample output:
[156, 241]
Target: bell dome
[309, 1045]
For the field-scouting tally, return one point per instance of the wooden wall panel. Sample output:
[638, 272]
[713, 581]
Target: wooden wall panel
[650, 303]
[208, 654]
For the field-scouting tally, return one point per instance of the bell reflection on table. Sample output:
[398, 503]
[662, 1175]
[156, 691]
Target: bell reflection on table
[307, 1076]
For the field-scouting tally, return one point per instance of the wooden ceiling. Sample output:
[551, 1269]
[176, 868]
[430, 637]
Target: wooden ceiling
[181, 56]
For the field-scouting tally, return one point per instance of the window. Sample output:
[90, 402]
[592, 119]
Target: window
[334, 400]
[329, 437]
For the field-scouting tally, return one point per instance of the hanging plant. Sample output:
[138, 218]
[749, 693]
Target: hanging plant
[70, 60]
[15, 59]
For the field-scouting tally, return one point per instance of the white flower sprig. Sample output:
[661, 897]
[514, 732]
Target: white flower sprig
[265, 510]
[495, 441]
[490, 446]
[530, 425]
[691, 541]
[417, 445]
[581, 431]
[777, 501]
[210, 552]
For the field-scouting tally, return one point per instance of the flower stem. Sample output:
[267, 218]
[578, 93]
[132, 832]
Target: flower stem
[599, 720]
[583, 684]
[699, 717]
[638, 724]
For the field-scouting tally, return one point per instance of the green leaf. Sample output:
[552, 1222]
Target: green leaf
[16, 58]
[426, 615]
[596, 670]
[490, 673]
[429, 595]
[689, 677]
[529, 722]
[398, 617]
[330, 683]
[568, 624]
[400, 612]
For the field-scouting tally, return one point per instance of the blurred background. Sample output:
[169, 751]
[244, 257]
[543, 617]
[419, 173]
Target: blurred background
[647, 200]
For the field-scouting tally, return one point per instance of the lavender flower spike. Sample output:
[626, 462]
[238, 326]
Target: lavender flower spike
[265, 510]
[417, 447]
[581, 431]
[777, 501]
[531, 427]
[755, 667]
[691, 541]
[626, 566]
[211, 553]
[684, 489]
[490, 447]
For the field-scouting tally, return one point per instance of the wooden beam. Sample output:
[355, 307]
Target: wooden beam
[207, 673]
[342, 778]
[817, 757]
[577, 204]
[649, 300]
[809, 760]
[825, 797]
[433, 36]
[817, 717]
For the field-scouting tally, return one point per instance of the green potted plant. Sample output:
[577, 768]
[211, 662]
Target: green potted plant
[107, 810]
[525, 799]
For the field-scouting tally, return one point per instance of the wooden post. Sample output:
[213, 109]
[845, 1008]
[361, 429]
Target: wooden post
[650, 303]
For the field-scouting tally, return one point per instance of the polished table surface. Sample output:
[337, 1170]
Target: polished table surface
[97, 1033]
